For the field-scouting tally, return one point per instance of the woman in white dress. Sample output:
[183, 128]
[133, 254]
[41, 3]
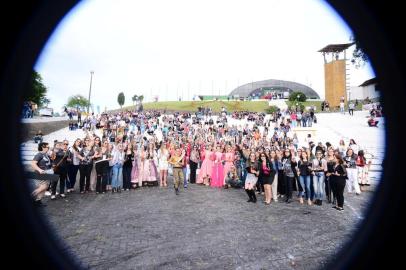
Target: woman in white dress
[163, 156]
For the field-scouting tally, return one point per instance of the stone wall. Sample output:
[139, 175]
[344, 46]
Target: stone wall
[30, 129]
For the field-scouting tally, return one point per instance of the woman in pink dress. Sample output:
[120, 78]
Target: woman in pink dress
[144, 166]
[229, 158]
[217, 174]
[135, 171]
[152, 177]
[207, 166]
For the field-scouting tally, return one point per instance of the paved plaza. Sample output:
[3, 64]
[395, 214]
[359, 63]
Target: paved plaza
[209, 228]
[202, 228]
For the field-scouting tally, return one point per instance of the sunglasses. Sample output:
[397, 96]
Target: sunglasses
[66, 144]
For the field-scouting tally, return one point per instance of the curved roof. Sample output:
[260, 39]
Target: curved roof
[246, 89]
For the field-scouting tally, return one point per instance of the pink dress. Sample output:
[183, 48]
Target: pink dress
[217, 175]
[207, 166]
[229, 157]
[135, 172]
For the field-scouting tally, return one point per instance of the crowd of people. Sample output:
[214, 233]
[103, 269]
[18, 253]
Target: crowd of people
[256, 152]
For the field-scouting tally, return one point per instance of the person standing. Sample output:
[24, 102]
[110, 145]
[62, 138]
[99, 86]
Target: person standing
[266, 173]
[329, 185]
[342, 106]
[288, 166]
[176, 161]
[351, 107]
[74, 164]
[319, 167]
[252, 177]
[79, 117]
[60, 168]
[117, 162]
[207, 166]
[304, 171]
[339, 175]
[163, 156]
[362, 170]
[85, 168]
[351, 166]
[229, 159]
[127, 166]
[274, 159]
[217, 174]
[193, 162]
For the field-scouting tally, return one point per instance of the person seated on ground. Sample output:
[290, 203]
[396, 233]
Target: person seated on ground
[38, 137]
[372, 122]
[232, 179]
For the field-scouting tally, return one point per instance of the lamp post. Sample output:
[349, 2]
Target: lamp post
[297, 102]
[90, 91]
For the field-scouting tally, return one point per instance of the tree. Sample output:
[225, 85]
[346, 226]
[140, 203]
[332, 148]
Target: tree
[46, 101]
[359, 57]
[141, 98]
[297, 96]
[134, 98]
[272, 109]
[36, 90]
[78, 102]
[121, 99]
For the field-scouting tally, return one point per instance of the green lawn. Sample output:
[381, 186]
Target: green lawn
[254, 106]
[306, 104]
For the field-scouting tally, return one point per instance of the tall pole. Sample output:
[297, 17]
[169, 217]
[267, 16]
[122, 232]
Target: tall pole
[90, 90]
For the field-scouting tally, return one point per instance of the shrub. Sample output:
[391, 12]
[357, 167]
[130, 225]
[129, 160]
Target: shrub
[294, 96]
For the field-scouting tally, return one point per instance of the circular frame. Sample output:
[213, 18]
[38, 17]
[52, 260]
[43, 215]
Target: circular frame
[29, 30]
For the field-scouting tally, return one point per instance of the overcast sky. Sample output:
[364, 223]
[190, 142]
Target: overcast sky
[186, 47]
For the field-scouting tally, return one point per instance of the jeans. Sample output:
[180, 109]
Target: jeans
[117, 172]
[184, 170]
[305, 183]
[243, 175]
[318, 185]
[72, 173]
[84, 181]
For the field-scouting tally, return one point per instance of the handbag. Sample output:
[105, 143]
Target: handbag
[54, 167]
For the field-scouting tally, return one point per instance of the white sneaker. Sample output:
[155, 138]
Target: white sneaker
[53, 197]
[47, 193]
[63, 195]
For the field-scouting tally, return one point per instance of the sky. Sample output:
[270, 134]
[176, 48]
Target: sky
[183, 48]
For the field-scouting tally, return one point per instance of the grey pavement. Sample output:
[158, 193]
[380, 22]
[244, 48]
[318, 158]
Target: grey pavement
[202, 228]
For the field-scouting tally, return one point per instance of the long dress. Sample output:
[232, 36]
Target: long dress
[362, 172]
[151, 164]
[217, 175]
[207, 166]
[143, 169]
[229, 158]
[135, 171]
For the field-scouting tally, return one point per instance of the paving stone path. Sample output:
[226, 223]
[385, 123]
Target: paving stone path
[202, 228]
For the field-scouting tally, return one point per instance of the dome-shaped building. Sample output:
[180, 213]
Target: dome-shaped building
[261, 89]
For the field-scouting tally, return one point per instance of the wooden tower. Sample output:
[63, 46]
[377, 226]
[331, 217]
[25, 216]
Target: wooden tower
[335, 73]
